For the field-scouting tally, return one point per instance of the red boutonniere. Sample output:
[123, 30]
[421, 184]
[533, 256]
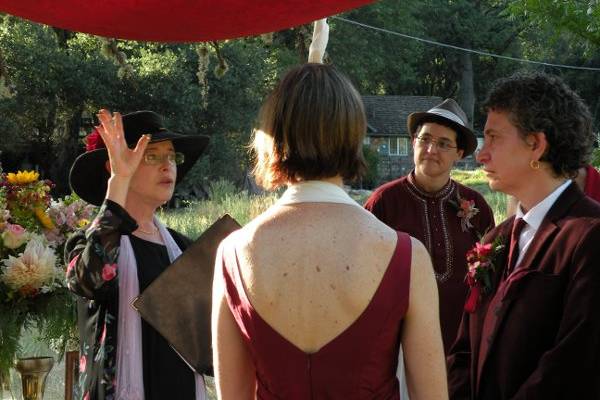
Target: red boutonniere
[466, 211]
[481, 264]
[94, 141]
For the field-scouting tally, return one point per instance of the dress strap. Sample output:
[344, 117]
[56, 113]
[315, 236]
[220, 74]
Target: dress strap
[401, 264]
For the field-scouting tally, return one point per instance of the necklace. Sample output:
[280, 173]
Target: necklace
[152, 232]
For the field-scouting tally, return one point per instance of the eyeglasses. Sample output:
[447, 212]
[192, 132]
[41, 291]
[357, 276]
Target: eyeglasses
[156, 159]
[441, 144]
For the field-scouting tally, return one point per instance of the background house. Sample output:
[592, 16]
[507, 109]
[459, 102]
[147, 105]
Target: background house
[388, 136]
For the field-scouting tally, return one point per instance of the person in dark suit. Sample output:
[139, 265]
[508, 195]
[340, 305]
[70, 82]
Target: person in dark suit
[532, 327]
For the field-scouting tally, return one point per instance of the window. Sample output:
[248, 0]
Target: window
[383, 148]
[367, 140]
[398, 146]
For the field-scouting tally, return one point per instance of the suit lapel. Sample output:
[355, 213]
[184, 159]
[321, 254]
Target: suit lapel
[508, 289]
[477, 330]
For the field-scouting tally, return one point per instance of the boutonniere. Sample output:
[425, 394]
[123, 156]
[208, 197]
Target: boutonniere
[466, 211]
[481, 265]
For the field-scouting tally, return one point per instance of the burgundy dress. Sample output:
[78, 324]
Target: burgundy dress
[359, 363]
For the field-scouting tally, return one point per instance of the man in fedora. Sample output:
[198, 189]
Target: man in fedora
[445, 215]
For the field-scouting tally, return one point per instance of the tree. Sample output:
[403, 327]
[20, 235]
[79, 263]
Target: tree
[50, 80]
[578, 18]
[378, 63]
[564, 32]
[481, 24]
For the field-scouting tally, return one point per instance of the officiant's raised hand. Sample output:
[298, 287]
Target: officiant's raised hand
[123, 160]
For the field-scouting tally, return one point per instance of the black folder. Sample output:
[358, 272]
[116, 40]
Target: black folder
[178, 303]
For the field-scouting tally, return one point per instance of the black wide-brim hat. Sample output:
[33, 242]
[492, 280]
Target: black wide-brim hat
[88, 176]
[449, 111]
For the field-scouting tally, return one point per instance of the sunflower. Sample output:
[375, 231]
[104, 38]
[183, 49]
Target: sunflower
[22, 177]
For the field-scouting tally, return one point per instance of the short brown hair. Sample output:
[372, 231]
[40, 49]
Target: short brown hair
[310, 127]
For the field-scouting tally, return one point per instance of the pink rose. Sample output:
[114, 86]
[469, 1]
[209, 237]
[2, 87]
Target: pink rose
[483, 249]
[82, 364]
[87, 396]
[109, 271]
[14, 236]
[94, 141]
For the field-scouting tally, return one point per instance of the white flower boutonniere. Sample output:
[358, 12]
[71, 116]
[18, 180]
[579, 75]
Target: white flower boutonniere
[466, 211]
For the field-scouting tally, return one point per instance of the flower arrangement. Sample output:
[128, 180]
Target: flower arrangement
[481, 261]
[33, 231]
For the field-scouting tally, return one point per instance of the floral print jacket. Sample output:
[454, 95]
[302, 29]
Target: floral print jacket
[92, 274]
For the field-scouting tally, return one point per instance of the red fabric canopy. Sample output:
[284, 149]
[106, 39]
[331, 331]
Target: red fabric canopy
[176, 20]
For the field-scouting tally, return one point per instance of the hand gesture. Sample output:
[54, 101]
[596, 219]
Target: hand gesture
[123, 160]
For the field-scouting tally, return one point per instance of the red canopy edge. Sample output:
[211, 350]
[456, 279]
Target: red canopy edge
[176, 20]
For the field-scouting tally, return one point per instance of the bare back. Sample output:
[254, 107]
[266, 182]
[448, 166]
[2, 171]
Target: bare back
[311, 269]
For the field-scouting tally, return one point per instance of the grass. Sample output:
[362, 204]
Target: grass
[476, 180]
[193, 219]
[225, 199]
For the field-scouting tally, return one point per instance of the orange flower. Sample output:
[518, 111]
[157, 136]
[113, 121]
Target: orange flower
[44, 219]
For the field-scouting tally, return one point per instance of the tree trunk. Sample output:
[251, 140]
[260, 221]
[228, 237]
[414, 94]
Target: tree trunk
[66, 149]
[41, 145]
[466, 93]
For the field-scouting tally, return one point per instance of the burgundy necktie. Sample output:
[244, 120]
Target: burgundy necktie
[513, 252]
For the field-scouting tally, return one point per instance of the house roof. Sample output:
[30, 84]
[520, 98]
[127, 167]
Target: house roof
[386, 115]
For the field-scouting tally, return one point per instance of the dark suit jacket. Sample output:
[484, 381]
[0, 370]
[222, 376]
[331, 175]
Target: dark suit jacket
[537, 336]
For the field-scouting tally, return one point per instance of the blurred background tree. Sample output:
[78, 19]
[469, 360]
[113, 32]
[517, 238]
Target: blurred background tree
[52, 82]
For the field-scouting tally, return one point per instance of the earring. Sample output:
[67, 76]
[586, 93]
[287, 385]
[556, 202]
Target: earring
[534, 164]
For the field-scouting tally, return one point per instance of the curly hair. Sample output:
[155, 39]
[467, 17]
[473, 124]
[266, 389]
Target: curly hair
[538, 102]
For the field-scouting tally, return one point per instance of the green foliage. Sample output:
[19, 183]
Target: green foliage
[578, 18]
[371, 178]
[11, 321]
[469, 178]
[55, 320]
[55, 77]
[550, 34]
[596, 158]
[219, 190]
[53, 317]
[376, 62]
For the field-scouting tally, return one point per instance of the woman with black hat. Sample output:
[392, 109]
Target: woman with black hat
[130, 168]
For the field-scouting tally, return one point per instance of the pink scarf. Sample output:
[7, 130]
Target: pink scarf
[130, 382]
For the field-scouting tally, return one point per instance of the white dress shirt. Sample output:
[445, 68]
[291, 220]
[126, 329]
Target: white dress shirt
[534, 218]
